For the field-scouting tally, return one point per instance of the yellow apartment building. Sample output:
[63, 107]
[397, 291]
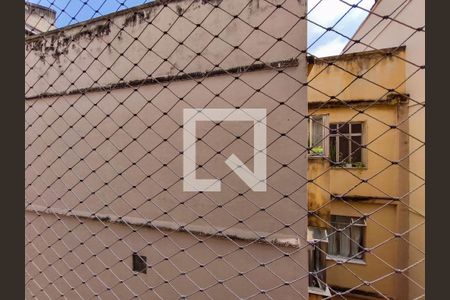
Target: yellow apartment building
[379, 186]
[405, 27]
[358, 139]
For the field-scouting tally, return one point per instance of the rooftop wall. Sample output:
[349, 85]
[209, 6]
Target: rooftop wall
[38, 18]
[110, 53]
[380, 72]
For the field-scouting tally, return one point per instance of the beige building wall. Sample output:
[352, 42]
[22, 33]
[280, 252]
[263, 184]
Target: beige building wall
[338, 80]
[377, 267]
[210, 270]
[393, 34]
[318, 192]
[379, 112]
[104, 153]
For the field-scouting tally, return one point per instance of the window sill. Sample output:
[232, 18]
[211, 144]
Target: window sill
[346, 260]
[349, 167]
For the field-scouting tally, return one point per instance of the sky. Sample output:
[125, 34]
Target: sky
[338, 14]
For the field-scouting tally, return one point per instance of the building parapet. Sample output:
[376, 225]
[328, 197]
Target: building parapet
[355, 55]
[277, 65]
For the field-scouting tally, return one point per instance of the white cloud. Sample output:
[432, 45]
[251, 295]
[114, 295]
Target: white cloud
[326, 13]
[333, 47]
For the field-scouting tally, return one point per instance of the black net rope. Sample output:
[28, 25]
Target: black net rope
[107, 214]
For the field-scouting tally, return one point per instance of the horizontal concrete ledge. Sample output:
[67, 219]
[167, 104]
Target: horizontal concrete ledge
[391, 99]
[232, 233]
[354, 55]
[278, 65]
[358, 198]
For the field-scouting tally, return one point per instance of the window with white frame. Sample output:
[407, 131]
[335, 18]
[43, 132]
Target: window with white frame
[318, 135]
[347, 237]
[317, 239]
[346, 140]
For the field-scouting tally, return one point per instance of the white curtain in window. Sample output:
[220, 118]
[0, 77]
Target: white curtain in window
[356, 240]
[332, 244]
[345, 242]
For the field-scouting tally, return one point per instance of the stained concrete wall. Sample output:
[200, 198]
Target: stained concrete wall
[386, 182]
[106, 145]
[319, 192]
[380, 72]
[379, 113]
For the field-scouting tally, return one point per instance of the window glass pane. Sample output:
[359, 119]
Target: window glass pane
[316, 265]
[332, 242]
[316, 234]
[344, 149]
[333, 128]
[356, 128]
[345, 243]
[311, 259]
[333, 149]
[356, 149]
[343, 128]
[317, 132]
[356, 236]
[350, 241]
[317, 136]
[340, 221]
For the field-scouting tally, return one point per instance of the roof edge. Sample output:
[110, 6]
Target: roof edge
[347, 56]
[154, 3]
[38, 6]
[390, 100]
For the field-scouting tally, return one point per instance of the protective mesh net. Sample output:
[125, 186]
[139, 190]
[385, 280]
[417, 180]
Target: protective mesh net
[215, 149]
